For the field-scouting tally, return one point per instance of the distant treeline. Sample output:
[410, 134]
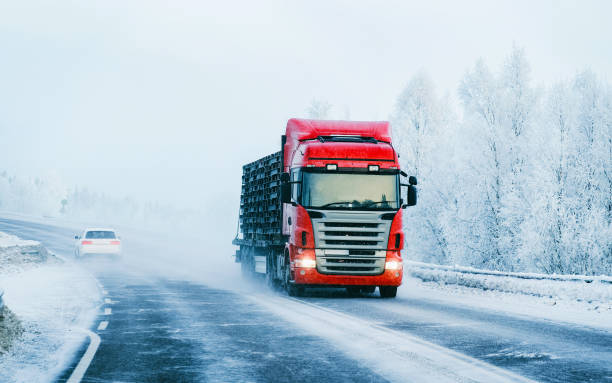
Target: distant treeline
[48, 196]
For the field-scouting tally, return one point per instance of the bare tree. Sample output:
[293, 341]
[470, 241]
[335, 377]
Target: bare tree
[319, 110]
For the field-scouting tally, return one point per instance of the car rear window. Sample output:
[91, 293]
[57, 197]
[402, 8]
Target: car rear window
[100, 234]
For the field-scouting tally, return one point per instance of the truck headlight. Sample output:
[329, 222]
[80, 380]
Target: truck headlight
[393, 265]
[306, 263]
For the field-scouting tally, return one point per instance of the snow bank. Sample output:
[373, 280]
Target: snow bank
[53, 299]
[17, 254]
[7, 241]
[566, 287]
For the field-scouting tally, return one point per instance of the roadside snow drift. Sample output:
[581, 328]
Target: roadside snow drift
[567, 287]
[53, 299]
[576, 299]
[17, 254]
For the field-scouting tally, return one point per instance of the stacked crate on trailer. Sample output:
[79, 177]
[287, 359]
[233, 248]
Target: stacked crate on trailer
[260, 208]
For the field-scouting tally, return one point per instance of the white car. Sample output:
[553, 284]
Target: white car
[97, 241]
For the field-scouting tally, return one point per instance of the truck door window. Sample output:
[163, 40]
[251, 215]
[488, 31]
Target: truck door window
[296, 175]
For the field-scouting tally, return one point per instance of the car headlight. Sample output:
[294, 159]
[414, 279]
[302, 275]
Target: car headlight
[393, 265]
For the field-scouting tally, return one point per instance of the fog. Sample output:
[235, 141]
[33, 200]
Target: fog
[165, 101]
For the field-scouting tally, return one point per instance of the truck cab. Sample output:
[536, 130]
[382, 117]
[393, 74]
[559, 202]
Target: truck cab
[342, 196]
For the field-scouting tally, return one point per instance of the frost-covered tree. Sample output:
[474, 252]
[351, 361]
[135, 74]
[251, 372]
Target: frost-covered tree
[474, 230]
[518, 105]
[493, 150]
[319, 110]
[544, 229]
[423, 134]
[569, 227]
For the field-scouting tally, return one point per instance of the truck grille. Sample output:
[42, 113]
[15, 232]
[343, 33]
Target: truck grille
[350, 266]
[351, 224]
[352, 243]
[351, 230]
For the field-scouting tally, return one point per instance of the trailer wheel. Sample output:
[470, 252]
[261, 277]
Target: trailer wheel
[272, 282]
[387, 291]
[244, 269]
[246, 265]
[271, 272]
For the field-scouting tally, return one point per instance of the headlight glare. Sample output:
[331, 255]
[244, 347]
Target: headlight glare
[393, 265]
[306, 263]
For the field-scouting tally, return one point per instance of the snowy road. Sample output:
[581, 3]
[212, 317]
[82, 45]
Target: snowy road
[166, 328]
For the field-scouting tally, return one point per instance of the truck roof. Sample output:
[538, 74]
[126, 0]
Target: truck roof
[346, 143]
[346, 154]
[301, 129]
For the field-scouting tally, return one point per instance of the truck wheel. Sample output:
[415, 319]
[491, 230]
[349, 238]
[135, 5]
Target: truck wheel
[271, 282]
[387, 291]
[368, 289]
[292, 290]
[353, 291]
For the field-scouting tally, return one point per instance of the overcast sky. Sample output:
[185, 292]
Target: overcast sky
[166, 100]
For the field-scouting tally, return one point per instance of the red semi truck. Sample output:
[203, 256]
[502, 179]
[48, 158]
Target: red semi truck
[326, 210]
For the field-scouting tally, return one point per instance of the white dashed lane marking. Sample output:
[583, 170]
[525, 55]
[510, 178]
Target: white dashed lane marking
[103, 325]
[108, 301]
[81, 368]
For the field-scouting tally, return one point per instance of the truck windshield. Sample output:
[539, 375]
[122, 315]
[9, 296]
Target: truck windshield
[350, 190]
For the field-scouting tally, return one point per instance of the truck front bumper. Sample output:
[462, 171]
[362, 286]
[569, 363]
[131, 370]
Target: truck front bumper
[310, 276]
[313, 277]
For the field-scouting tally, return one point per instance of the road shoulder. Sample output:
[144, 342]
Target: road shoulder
[54, 300]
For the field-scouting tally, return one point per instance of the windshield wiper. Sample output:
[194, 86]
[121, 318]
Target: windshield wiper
[337, 203]
[377, 202]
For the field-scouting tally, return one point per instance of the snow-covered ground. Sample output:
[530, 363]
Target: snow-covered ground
[54, 299]
[582, 300]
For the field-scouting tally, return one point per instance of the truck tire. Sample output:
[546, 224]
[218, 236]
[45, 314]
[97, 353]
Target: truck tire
[292, 290]
[272, 283]
[295, 291]
[246, 265]
[387, 291]
[353, 291]
[271, 280]
[368, 289]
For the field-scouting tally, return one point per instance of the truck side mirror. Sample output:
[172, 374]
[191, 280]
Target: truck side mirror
[285, 188]
[412, 195]
[412, 180]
